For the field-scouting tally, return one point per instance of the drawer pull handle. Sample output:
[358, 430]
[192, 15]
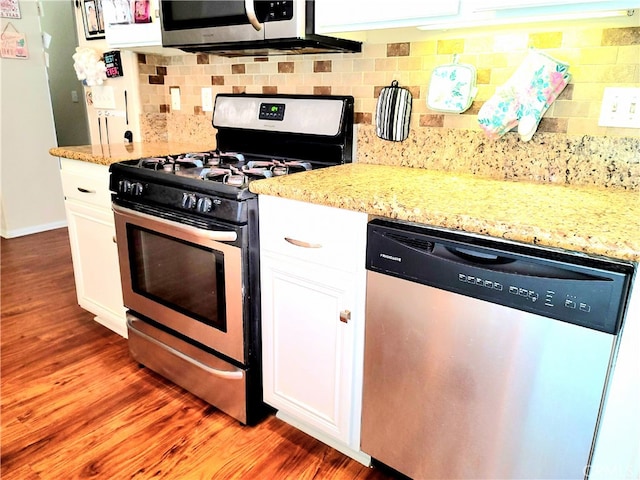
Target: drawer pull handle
[84, 190]
[345, 316]
[300, 243]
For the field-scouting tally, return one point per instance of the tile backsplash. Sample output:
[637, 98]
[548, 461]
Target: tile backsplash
[598, 57]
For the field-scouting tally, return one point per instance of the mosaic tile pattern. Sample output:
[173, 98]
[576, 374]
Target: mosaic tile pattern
[598, 57]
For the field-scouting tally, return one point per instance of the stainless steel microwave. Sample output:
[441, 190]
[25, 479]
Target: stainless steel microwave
[246, 27]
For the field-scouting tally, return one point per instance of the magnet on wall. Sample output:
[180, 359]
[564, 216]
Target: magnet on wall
[113, 62]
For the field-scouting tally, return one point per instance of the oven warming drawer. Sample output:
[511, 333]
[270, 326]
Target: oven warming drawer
[203, 374]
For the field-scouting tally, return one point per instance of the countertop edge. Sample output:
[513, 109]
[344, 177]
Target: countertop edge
[359, 188]
[113, 153]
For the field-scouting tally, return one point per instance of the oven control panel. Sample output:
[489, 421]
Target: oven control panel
[178, 199]
[271, 111]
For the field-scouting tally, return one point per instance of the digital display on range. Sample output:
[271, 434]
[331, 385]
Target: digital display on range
[271, 111]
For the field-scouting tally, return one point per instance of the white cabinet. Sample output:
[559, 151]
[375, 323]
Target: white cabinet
[134, 35]
[520, 4]
[351, 15]
[131, 35]
[312, 261]
[477, 13]
[334, 16]
[92, 237]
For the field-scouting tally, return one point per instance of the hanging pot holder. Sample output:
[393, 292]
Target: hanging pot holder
[452, 87]
[393, 112]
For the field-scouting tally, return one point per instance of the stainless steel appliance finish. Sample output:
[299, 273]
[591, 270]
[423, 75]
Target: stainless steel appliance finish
[161, 263]
[188, 243]
[483, 358]
[204, 374]
[246, 27]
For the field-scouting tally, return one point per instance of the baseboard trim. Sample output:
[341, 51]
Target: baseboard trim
[20, 232]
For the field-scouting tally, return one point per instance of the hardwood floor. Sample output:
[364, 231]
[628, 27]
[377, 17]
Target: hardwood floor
[74, 404]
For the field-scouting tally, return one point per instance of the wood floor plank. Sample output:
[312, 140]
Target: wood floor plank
[75, 405]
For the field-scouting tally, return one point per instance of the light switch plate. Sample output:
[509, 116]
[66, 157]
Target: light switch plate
[207, 100]
[620, 107]
[103, 97]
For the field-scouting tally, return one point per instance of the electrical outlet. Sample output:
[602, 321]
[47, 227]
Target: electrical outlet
[620, 107]
[175, 98]
[74, 96]
[207, 100]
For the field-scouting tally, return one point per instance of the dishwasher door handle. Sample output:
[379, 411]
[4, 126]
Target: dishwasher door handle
[479, 257]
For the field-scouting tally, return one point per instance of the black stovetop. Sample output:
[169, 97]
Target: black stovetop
[308, 132]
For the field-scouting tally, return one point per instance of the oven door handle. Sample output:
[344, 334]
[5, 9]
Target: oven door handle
[236, 374]
[214, 235]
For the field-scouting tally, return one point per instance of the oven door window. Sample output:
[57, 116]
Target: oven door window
[183, 276]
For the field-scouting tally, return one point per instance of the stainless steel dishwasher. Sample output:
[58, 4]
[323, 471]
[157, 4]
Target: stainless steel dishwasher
[485, 358]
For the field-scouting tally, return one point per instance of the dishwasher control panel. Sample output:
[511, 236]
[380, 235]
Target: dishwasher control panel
[570, 287]
[550, 298]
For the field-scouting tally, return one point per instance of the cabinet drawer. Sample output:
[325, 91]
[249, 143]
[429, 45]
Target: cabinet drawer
[86, 182]
[315, 233]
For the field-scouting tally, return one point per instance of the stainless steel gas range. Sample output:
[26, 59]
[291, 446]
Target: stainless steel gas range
[188, 241]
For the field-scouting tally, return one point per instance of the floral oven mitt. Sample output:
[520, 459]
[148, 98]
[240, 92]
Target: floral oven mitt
[525, 97]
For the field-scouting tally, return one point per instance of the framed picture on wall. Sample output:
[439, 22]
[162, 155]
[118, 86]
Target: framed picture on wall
[93, 19]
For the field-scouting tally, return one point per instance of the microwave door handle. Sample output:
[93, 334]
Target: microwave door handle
[251, 14]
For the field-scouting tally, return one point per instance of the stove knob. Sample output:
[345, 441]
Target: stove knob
[136, 189]
[124, 186]
[204, 205]
[188, 200]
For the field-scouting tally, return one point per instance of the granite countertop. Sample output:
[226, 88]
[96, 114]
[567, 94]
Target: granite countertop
[598, 221]
[112, 153]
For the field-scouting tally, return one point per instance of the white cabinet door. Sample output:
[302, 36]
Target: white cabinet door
[481, 5]
[312, 269]
[495, 12]
[333, 16]
[343, 16]
[95, 264]
[92, 234]
[308, 349]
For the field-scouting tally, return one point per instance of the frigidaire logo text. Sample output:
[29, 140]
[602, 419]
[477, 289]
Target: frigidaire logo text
[391, 257]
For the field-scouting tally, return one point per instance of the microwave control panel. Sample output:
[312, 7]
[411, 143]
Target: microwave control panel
[274, 11]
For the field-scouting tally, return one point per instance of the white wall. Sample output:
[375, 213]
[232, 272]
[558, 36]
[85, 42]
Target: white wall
[69, 112]
[117, 124]
[31, 192]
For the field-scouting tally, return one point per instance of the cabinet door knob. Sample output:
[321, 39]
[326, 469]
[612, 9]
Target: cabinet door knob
[345, 316]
